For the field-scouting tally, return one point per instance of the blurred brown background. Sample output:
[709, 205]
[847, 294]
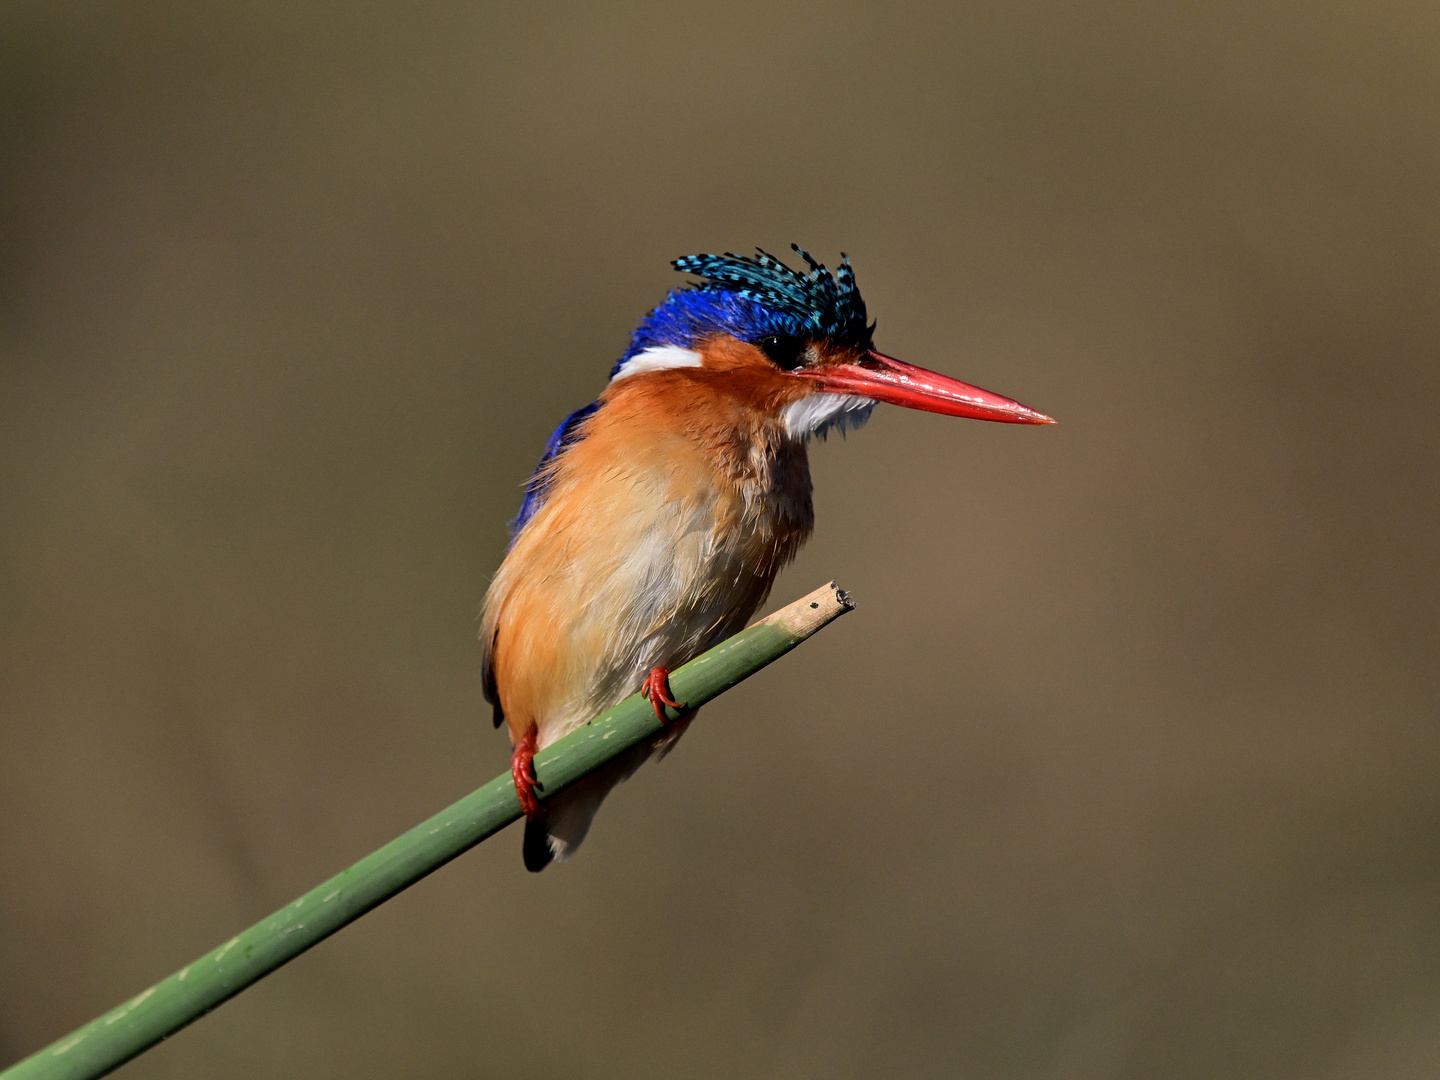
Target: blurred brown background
[1124, 767]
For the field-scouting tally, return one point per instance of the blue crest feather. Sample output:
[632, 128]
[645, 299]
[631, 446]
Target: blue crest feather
[750, 296]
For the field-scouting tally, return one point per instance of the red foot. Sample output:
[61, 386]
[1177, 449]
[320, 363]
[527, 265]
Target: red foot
[657, 689]
[522, 770]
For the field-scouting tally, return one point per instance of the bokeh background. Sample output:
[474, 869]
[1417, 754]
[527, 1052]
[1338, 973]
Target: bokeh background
[1126, 764]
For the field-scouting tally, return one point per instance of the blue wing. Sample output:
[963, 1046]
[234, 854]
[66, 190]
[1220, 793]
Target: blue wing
[538, 486]
[565, 436]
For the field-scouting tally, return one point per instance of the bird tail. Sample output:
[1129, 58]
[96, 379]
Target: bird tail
[559, 832]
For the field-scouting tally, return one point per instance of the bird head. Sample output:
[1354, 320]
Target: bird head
[796, 346]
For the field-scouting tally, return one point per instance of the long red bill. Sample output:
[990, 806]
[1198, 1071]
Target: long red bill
[886, 379]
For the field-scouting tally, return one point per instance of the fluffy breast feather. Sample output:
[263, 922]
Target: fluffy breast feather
[662, 532]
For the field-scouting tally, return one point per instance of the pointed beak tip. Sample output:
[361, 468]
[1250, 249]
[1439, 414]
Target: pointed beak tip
[1022, 415]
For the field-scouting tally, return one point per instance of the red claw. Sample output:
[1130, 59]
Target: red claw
[522, 770]
[657, 689]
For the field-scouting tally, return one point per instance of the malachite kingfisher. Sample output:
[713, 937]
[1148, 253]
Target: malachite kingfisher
[659, 515]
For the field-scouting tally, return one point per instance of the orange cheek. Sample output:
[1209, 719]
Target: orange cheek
[742, 373]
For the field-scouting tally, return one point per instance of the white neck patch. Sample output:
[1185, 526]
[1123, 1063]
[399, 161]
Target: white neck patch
[821, 413]
[658, 358]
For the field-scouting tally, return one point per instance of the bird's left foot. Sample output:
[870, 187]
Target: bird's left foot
[657, 690]
[522, 771]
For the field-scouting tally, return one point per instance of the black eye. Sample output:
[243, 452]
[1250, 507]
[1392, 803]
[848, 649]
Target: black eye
[784, 352]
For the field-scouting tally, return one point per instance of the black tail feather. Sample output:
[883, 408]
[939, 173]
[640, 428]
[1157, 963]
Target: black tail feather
[537, 845]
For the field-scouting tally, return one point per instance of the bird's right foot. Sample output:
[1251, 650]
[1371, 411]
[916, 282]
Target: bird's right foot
[657, 691]
[522, 771]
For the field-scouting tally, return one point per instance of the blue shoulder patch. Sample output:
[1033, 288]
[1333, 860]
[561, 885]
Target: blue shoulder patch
[538, 486]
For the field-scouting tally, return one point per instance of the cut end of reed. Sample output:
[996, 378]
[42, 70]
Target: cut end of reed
[810, 613]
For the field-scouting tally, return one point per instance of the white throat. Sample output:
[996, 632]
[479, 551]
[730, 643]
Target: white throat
[822, 412]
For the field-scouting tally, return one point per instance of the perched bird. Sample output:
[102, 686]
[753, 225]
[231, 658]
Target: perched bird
[659, 516]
